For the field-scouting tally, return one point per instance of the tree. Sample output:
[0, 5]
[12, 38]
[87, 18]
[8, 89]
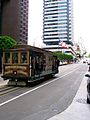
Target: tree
[6, 42]
[63, 56]
[89, 55]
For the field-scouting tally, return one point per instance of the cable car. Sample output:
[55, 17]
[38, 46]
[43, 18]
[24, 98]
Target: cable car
[23, 64]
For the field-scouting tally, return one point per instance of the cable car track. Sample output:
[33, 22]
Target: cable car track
[7, 89]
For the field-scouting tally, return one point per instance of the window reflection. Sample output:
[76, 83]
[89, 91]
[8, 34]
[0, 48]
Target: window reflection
[7, 57]
[15, 57]
[23, 57]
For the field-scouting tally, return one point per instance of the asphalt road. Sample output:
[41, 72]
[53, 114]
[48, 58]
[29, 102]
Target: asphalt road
[46, 99]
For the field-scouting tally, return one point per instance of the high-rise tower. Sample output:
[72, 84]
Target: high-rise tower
[14, 19]
[57, 22]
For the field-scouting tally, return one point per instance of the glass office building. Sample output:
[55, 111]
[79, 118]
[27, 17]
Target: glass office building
[14, 19]
[57, 22]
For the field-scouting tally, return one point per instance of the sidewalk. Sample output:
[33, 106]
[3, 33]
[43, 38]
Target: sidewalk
[79, 109]
[2, 82]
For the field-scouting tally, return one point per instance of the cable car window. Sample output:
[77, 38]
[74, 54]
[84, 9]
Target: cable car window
[23, 57]
[14, 57]
[7, 57]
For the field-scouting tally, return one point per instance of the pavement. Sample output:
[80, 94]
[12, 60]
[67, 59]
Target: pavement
[78, 110]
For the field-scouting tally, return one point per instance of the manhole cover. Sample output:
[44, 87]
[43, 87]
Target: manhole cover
[83, 101]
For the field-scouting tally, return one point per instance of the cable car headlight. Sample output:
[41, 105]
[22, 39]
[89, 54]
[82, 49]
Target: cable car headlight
[15, 72]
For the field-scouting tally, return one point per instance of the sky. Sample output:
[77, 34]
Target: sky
[35, 22]
[81, 19]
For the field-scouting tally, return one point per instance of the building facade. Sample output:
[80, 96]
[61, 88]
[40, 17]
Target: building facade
[57, 22]
[14, 19]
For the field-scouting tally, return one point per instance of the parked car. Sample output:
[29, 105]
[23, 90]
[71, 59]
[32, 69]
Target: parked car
[86, 60]
[88, 85]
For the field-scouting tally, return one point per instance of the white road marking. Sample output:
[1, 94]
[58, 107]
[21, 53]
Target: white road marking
[36, 88]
